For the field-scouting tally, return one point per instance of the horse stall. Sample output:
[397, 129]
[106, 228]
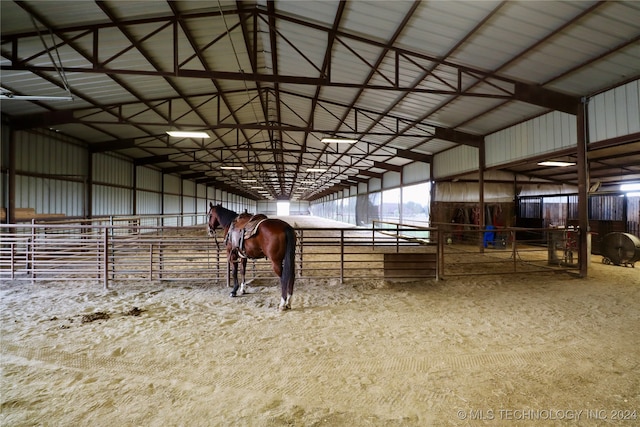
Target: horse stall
[390, 325]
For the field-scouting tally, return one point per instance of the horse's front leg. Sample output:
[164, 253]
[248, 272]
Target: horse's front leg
[244, 273]
[233, 260]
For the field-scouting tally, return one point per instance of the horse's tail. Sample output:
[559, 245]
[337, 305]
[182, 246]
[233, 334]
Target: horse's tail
[288, 264]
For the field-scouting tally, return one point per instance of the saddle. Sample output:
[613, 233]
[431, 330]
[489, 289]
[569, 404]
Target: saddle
[243, 227]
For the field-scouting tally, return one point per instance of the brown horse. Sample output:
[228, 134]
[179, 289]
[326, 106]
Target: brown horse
[273, 239]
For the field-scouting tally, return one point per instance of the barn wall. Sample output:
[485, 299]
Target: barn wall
[452, 162]
[393, 198]
[148, 191]
[5, 135]
[52, 179]
[391, 180]
[615, 113]
[112, 185]
[416, 172]
[545, 134]
[265, 206]
[202, 205]
[50, 174]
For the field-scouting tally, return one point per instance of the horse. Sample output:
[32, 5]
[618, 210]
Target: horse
[273, 239]
[219, 216]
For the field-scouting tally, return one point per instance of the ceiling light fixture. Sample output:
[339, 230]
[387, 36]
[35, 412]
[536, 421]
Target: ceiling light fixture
[630, 187]
[187, 134]
[338, 140]
[316, 170]
[232, 168]
[9, 96]
[553, 163]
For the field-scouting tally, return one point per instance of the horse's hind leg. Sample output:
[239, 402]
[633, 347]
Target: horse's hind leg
[285, 296]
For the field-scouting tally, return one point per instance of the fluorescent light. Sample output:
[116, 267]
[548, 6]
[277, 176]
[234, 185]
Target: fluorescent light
[551, 163]
[338, 140]
[187, 134]
[35, 98]
[248, 180]
[257, 187]
[316, 170]
[232, 168]
[630, 187]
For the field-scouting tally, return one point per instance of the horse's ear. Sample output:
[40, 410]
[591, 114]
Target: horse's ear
[210, 205]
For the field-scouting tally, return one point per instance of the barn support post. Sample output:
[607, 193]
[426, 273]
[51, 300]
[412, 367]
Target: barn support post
[11, 164]
[300, 247]
[439, 254]
[514, 250]
[88, 189]
[134, 192]
[150, 261]
[341, 256]
[583, 186]
[481, 220]
[397, 238]
[105, 262]
[32, 253]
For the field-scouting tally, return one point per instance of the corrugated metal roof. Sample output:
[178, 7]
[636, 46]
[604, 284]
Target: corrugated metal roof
[268, 80]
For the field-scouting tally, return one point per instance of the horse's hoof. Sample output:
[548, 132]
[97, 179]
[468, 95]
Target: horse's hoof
[232, 294]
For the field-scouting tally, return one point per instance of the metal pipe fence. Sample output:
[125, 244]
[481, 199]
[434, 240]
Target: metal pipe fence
[119, 251]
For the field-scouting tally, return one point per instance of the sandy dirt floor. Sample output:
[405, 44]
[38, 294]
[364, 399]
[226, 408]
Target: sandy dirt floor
[528, 349]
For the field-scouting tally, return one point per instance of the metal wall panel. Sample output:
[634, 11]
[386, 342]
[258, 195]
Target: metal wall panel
[171, 184]
[615, 113]
[109, 200]
[362, 188]
[188, 188]
[375, 184]
[50, 196]
[49, 154]
[5, 134]
[545, 134]
[149, 203]
[416, 172]
[148, 179]
[109, 169]
[50, 174]
[455, 161]
[189, 204]
[391, 179]
[171, 204]
[202, 205]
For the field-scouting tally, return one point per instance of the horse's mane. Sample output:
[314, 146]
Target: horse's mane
[225, 216]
